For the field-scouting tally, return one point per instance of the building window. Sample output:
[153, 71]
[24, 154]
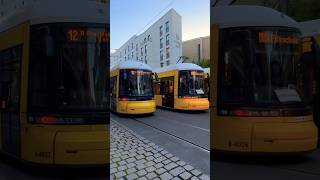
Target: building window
[161, 30]
[145, 40]
[168, 63]
[161, 43]
[161, 64]
[145, 60]
[137, 47]
[141, 51]
[145, 49]
[125, 58]
[167, 26]
[125, 51]
[131, 46]
[168, 52]
[161, 55]
[149, 38]
[168, 39]
[132, 55]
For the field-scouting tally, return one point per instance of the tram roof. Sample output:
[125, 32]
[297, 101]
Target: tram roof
[132, 65]
[180, 67]
[248, 16]
[53, 11]
[310, 28]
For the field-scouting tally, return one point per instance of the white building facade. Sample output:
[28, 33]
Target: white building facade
[159, 46]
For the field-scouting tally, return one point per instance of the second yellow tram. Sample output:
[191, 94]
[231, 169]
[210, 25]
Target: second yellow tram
[131, 87]
[181, 86]
[260, 102]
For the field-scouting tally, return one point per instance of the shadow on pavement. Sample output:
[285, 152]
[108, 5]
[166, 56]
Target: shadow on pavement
[42, 172]
[184, 111]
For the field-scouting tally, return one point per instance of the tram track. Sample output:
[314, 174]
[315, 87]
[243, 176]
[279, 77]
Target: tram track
[172, 135]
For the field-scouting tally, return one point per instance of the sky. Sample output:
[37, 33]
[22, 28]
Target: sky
[130, 17]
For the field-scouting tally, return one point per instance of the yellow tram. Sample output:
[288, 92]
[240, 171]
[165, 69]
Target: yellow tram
[53, 89]
[260, 102]
[311, 55]
[181, 86]
[131, 88]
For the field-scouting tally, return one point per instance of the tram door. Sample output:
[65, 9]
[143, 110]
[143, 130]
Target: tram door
[10, 76]
[113, 94]
[168, 92]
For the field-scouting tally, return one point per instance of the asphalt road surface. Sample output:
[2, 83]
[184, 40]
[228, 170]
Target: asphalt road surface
[183, 134]
[12, 170]
[302, 167]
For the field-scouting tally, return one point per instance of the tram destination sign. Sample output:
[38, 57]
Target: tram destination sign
[271, 38]
[83, 35]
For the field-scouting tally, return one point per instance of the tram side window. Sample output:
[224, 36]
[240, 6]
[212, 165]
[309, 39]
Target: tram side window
[157, 88]
[233, 60]
[113, 86]
[10, 61]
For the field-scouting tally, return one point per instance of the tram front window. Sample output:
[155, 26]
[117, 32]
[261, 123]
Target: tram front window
[191, 83]
[260, 68]
[136, 84]
[67, 68]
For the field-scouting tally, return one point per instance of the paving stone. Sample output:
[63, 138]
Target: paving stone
[140, 157]
[150, 158]
[169, 155]
[151, 175]
[150, 163]
[130, 165]
[120, 174]
[166, 176]
[132, 176]
[204, 177]
[122, 168]
[150, 169]
[185, 175]
[188, 167]
[158, 165]
[195, 178]
[160, 171]
[195, 172]
[121, 163]
[131, 170]
[170, 166]
[142, 172]
[113, 170]
[181, 163]
[177, 171]
[174, 159]
[130, 160]
[113, 165]
[167, 161]
[141, 166]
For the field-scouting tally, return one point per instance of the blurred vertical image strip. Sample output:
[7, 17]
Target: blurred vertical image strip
[54, 81]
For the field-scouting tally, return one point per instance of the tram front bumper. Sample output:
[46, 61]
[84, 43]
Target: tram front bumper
[196, 104]
[284, 137]
[138, 107]
[81, 148]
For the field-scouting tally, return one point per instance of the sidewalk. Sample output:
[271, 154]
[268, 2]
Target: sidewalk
[134, 157]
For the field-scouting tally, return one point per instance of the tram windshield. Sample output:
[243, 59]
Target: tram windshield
[191, 83]
[136, 83]
[263, 68]
[68, 67]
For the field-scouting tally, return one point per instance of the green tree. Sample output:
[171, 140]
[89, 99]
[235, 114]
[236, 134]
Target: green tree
[204, 63]
[304, 10]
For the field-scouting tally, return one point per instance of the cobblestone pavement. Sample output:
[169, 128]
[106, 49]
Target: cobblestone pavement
[134, 157]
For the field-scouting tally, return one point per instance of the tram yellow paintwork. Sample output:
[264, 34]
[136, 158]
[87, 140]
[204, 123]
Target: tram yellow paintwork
[180, 103]
[63, 145]
[126, 106]
[255, 135]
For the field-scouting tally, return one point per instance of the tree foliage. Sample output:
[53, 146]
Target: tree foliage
[304, 10]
